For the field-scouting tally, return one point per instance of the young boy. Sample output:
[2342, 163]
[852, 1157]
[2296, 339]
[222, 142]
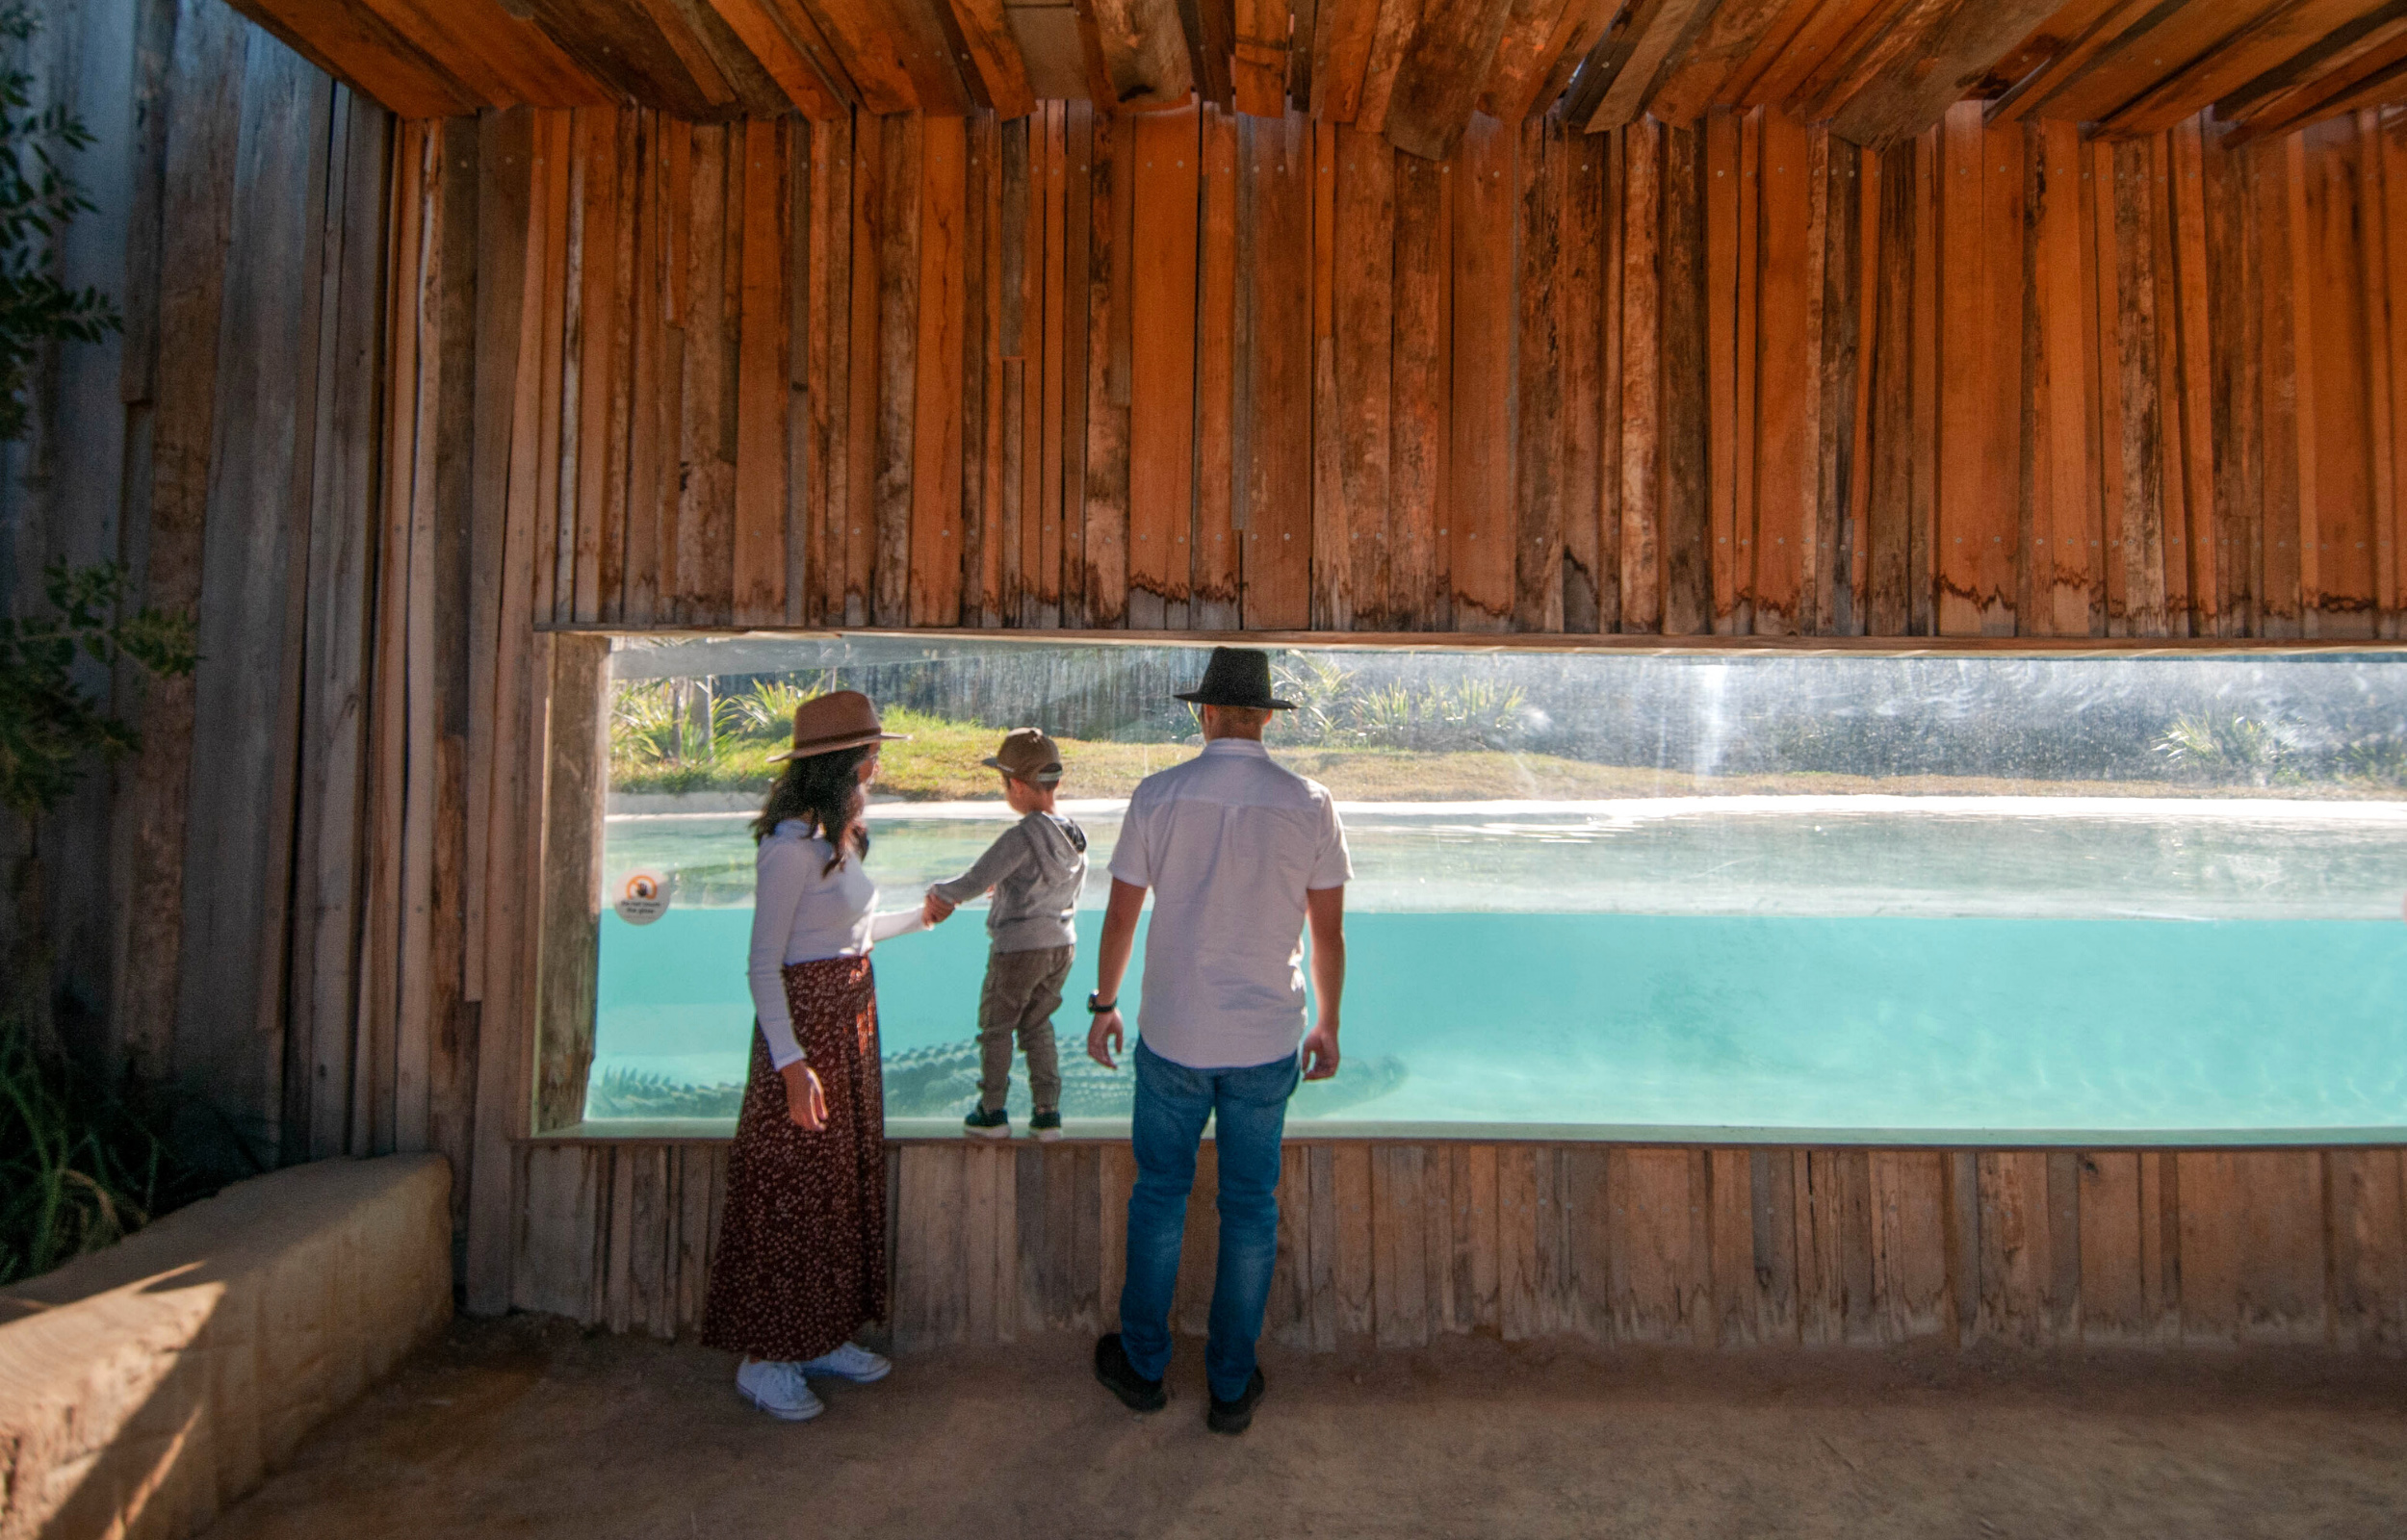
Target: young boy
[1035, 871]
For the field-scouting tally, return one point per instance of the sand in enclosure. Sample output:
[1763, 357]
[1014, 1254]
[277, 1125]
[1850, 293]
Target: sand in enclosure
[527, 1427]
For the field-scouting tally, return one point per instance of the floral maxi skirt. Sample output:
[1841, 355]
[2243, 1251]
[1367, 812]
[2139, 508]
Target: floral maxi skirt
[801, 1259]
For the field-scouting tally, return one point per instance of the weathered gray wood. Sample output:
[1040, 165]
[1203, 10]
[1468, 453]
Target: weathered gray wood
[571, 878]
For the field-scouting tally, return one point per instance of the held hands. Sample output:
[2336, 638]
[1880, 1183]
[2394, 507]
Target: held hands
[1104, 1038]
[935, 911]
[806, 1103]
[1320, 1051]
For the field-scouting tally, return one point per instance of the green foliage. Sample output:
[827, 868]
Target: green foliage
[2379, 758]
[83, 1162]
[1334, 710]
[47, 723]
[38, 199]
[2230, 748]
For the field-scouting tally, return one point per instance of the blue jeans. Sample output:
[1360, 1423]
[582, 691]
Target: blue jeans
[1171, 1106]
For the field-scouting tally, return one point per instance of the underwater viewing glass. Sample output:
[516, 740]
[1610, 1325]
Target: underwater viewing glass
[2143, 898]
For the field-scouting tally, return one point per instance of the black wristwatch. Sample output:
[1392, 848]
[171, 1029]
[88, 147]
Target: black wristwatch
[1095, 1006]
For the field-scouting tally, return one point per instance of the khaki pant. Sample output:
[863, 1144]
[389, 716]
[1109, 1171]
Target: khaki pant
[1021, 991]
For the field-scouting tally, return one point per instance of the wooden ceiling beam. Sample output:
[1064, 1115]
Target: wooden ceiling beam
[1914, 91]
[1582, 24]
[1259, 57]
[871, 52]
[1821, 48]
[1145, 53]
[503, 59]
[353, 43]
[2165, 39]
[1653, 49]
[1534, 31]
[1746, 85]
[619, 45]
[1391, 38]
[2234, 62]
[1437, 85]
[2386, 87]
[2098, 27]
[1341, 47]
[799, 77]
[705, 42]
[2324, 95]
[981, 32]
[1303, 44]
[2336, 51]
[1697, 79]
[1850, 68]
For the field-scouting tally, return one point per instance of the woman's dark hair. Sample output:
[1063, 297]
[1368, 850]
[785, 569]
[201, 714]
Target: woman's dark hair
[824, 791]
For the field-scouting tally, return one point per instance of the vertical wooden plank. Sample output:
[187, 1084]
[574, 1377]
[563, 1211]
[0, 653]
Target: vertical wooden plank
[1590, 1252]
[1117, 1178]
[2194, 331]
[1288, 1319]
[1909, 1242]
[1320, 1283]
[2112, 1307]
[2287, 477]
[801, 530]
[1419, 431]
[1542, 172]
[1474, 1293]
[902, 161]
[1354, 1266]
[554, 1232]
[1166, 181]
[2144, 502]
[1438, 1251]
[1788, 376]
[2369, 1246]
[1720, 190]
[700, 1174]
[1825, 581]
[1683, 510]
[1275, 466]
[1331, 602]
[2015, 1261]
[1887, 538]
[1961, 610]
[1656, 1281]
[598, 366]
[1519, 1317]
[1731, 1243]
[2389, 145]
[830, 284]
[935, 531]
[763, 381]
[1110, 345]
[646, 337]
[980, 467]
[1364, 256]
[1996, 535]
[1400, 1283]
[1214, 565]
[2343, 241]
[1579, 295]
[1075, 338]
[863, 232]
[553, 562]
[1481, 455]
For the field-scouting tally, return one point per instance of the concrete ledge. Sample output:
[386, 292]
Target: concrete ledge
[145, 1388]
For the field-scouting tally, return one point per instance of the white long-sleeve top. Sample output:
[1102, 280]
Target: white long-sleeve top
[802, 913]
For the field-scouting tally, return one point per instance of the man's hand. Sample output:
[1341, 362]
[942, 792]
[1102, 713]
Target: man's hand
[935, 910]
[1104, 1040]
[806, 1103]
[1320, 1051]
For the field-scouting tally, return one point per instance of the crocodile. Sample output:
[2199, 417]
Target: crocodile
[943, 1082]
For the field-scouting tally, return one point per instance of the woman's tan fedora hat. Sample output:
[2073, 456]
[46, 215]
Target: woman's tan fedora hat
[839, 719]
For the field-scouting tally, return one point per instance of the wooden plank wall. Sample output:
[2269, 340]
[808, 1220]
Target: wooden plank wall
[1398, 1245]
[1192, 371]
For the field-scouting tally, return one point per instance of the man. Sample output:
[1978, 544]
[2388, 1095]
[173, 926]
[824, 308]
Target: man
[1241, 856]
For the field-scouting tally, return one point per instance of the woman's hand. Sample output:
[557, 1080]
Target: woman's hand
[1103, 1038]
[806, 1103]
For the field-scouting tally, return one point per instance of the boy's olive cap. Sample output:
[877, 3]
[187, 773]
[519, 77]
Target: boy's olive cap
[1026, 754]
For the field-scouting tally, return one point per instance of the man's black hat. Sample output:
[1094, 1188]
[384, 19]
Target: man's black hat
[1236, 676]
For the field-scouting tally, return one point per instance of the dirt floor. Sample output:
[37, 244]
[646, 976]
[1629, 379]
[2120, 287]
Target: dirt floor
[528, 1427]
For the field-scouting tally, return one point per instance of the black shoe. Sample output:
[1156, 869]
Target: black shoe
[1046, 1126]
[1236, 1417]
[1121, 1378]
[983, 1124]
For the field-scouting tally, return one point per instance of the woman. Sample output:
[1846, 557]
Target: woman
[802, 1236]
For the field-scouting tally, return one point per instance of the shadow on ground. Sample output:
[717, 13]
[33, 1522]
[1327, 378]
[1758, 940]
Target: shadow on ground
[528, 1427]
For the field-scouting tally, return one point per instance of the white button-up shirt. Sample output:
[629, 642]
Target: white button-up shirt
[1229, 843]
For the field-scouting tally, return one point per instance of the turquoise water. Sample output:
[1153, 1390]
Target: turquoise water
[2182, 974]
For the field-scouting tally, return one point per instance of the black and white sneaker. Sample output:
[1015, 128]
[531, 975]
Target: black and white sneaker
[1046, 1126]
[984, 1124]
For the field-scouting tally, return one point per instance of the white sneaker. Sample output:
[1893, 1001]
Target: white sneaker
[777, 1389]
[849, 1362]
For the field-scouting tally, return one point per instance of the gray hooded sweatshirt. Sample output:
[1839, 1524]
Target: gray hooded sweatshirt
[1036, 870]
